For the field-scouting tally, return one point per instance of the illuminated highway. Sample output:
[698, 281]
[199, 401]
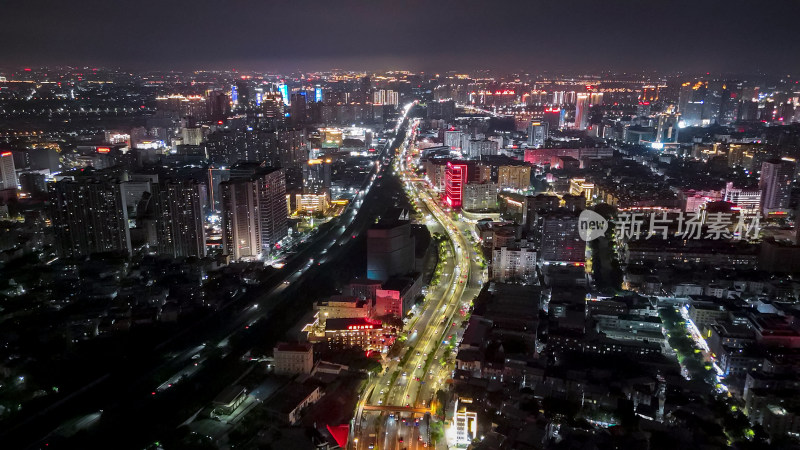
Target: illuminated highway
[426, 369]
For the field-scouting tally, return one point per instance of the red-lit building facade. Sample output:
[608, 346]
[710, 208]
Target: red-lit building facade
[455, 179]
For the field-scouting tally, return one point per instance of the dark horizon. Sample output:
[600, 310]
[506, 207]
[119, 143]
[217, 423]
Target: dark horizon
[581, 36]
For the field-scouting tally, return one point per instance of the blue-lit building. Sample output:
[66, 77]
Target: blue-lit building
[284, 90]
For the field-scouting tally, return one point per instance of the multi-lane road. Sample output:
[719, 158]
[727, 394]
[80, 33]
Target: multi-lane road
[391, 411]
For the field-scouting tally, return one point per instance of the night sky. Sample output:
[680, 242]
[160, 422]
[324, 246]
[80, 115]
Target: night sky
[667, 35]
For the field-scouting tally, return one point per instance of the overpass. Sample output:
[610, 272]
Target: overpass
[396, 409]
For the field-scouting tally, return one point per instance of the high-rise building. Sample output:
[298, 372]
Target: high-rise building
[390, 249]
[254, 212]
[582, 111]
[392, 98]
[554, 117]
[452, 138]
[479, 196]
[89, 216]
[291, 152]
[560, 240]
[8, 172]
[475, 148]
[284, 90]
[272, 208]
[216, 175]
[192, 135]
[455, 178]
[379, 97]
[32, 183]
[643, 109]
[444, 110]
[244, 95]
[667, 128]
[317, 176]
[385, 97]
[729, 104]
[514, 177]
[218, 105]
[365, 89]
[650, 93]
[691, 103]
[538, 132]
[272, 108]
[512, 264]
[776, 184]
[536, 204]
[298, 108]
[180, 219]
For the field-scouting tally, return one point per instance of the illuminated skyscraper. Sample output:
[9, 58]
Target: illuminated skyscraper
[254, 212]
[284, 90]
[8, 173]
[235, 96]
[455, 179]
[582, 111]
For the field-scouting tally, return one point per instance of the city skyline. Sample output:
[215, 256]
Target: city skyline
[445, 35]
[352, 225]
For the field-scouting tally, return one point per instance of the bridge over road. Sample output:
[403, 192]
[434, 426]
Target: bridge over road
[390, 408]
